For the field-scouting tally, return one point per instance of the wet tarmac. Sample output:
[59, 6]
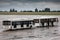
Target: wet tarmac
[51, 33]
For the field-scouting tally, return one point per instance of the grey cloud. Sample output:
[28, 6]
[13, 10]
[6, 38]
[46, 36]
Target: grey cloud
[30, 0]
[5, 0]
[26, 4]
[37, 0]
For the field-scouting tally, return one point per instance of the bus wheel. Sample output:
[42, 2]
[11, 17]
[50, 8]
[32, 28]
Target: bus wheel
[31, 26]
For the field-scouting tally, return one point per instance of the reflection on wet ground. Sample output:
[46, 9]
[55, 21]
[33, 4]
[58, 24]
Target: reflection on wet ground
[34, 34]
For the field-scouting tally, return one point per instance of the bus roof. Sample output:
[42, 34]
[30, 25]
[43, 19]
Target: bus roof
[26, 19]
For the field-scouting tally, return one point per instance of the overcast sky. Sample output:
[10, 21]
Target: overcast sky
[29, 4]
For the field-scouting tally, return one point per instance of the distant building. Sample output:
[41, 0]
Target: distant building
[13, 10]
[47, 9]
[36, 10]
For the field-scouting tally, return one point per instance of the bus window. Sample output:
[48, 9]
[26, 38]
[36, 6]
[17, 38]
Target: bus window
[6, 22]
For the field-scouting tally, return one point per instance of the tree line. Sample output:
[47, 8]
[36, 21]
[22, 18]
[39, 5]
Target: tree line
[36, 10]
